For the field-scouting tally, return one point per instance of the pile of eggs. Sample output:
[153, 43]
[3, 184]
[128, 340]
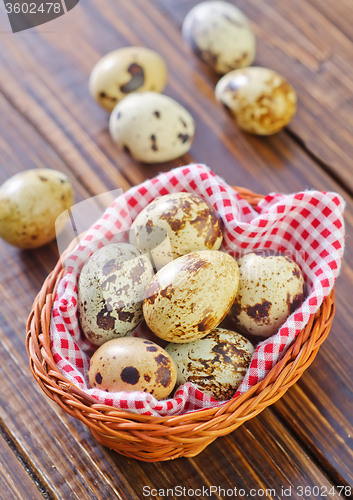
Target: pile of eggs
[149, 126]
[154, 128]
[260, 100]
[174, 275]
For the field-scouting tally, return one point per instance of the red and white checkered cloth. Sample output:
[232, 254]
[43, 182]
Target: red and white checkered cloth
[308, 225]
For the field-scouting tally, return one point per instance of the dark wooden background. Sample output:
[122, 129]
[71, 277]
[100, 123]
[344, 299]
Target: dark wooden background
[48, 119]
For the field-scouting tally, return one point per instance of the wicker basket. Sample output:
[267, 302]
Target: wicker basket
[153, 439]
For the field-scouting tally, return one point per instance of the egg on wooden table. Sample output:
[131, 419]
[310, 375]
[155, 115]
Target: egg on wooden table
[220, 34]
[30, 203]
[152, 127]
[271, 288]
[132, 364]
[216, 364]
[126, 70]
[111, 288]
[191, 295]
[260, 100]
[174, 225]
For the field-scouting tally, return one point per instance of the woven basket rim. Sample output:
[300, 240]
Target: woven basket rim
[165, 437]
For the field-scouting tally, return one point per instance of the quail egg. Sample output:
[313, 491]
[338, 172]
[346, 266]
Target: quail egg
[271, 288]
[132, 364]
[30, 203]
[152, 127]
[220, 35]
[126, 70]
[174, 225]
[110, 292]
[216, 364]
[260, 100]
[191, 295]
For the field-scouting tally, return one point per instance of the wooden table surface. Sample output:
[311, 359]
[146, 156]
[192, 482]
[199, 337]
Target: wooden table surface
[48, 119]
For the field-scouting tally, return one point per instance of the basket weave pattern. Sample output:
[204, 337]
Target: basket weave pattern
[150, 438]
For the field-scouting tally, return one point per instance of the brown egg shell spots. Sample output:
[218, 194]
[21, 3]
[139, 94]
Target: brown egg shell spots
[191, 295]
[33, 207]
[216, 364]
[132, 364]
[262, 306]
[148, 136]
[187, 220]
[260, 100]
[219, 34]
[111, 289]
[125, 71]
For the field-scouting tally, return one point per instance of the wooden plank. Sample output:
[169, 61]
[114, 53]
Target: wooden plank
[339, 13]
[59, 449]
[225, 464]
[15, 483]
[337, 415]
[310, 43]
[320, 418]
[55, 99]
[57, 445]
[28, 416]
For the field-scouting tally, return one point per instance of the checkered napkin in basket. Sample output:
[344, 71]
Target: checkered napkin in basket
[308, 225]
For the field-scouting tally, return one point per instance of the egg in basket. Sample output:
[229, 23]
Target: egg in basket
[227, 377]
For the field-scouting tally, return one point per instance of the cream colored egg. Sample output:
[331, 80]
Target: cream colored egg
[30, 203]
[191, 295]
[126, 70]
[132, 364]
[216, 364]
[271, 288]
[174, 225]
[220, 35]
[152, 127]
[260, 100]
[111, 289]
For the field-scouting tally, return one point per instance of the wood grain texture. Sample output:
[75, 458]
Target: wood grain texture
[15, 483]
[60, 451]
[55, 97]
[64, 457]
[340, 14]
[44, 78]
[310, 43]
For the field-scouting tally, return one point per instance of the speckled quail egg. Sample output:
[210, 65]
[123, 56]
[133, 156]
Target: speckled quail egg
[152, 127]
[132, 364]
[110, 292]
[260, 100]
[30, 203]
[185, 220]
[126, 70]
[216, 364]
[271, 288]
[220, 35]
[191, 295]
